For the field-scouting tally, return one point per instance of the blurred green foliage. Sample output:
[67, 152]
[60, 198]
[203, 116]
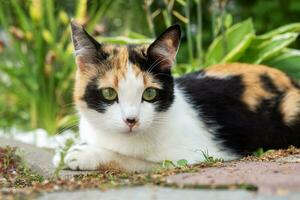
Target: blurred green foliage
[37, 64]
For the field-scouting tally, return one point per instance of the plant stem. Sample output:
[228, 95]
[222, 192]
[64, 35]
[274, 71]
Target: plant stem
[188, 31]
[222, 6]
[199, 32]
[213, 20]
[147, 5]
[167, 13]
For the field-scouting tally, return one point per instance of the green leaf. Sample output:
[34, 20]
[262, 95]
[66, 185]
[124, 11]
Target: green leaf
[295, 27]
[181, 2]
[97, 13]
[265, 50]
[228, 20]
[168, 164]
[239, 49]
[259, 152]
[288, 61]
[218, 25]
[135, 35]
[182, 163]
[21, 15]
[229, 49]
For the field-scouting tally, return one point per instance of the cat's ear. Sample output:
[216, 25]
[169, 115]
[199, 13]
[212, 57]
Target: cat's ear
[164, 49]
[87, 49]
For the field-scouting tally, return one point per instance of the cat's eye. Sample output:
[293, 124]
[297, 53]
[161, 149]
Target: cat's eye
[109, 94]
[150, 94]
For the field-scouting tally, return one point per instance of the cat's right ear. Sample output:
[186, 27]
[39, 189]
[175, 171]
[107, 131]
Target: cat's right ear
[87, 49]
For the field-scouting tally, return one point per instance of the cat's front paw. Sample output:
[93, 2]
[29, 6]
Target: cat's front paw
[82, 157]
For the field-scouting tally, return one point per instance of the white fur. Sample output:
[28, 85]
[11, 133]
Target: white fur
[175, 134]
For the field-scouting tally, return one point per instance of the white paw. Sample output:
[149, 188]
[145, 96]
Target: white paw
[82, 157]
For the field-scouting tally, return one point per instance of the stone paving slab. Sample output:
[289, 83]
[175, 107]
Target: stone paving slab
[270, 177]
[39, 159]
[158, 193]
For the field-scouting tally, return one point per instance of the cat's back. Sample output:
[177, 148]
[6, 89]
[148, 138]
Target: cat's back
[253, 105]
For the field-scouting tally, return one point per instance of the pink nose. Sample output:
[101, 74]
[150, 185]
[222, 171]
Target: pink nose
[131, 122]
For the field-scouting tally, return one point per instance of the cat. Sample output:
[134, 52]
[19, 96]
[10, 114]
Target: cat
[134, 114]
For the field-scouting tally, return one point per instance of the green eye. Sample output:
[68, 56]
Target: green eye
[150, 94]
[109, 94]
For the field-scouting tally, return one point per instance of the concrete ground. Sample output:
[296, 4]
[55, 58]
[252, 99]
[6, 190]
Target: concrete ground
[158, 193]
[276, 179]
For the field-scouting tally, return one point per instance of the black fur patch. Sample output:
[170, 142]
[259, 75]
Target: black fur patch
[268, 84]
[218, 102]
[166, 94]
[94, 98]
[137, 57]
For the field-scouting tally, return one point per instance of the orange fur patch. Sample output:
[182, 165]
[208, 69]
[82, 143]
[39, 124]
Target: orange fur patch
[82, 79]
[250, 74]
[290, 106]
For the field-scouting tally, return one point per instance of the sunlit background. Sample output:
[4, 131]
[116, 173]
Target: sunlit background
[37, 64]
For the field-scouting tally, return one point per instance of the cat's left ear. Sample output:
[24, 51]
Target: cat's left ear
[164, 49]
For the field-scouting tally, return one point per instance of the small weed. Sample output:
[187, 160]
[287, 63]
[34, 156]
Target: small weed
[182, 163]
[168, 164]
[69, 143]
[260, 152]
[210, 159]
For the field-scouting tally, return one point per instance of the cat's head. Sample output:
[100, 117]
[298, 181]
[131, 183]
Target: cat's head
[124, 88]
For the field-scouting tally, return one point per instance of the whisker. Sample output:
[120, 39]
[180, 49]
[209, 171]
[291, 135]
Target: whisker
[66, 128]
[162, 74]
[156, 64]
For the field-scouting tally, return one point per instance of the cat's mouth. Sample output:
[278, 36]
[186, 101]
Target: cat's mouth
[132, 130]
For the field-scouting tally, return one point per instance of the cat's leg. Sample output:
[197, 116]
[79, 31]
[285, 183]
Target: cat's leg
[88, 157]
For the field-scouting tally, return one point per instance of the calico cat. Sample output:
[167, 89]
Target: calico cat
[134, 114]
